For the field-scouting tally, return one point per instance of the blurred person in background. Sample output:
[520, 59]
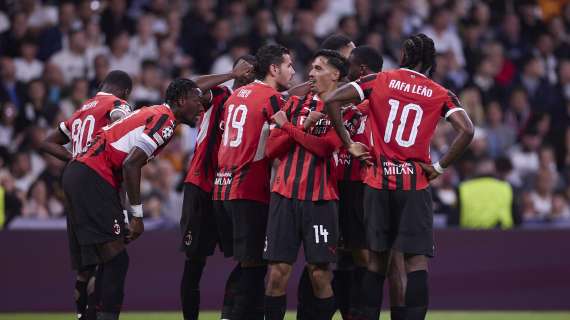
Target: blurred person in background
[28, 67]
[55, 82]
[143, 44]
[79, 92]
[147, 91]
[120, 58]
[538, 202]
[73, 61]
[11, 39]
[524, 156]
[499, 136]
[486, 201]
[37, 110]
[11, 90]
[56, 38]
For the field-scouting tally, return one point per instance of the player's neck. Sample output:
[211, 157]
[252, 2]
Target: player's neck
[272, 82]
[325, 93]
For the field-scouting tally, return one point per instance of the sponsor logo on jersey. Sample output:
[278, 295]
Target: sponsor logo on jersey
[223, 178]
[391, 168]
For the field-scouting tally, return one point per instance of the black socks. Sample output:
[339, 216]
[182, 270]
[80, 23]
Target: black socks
[190, 288]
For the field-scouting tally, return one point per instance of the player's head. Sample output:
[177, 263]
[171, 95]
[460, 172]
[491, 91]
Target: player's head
[183, 96]
[274, 63]
[327, 69]
[248, 77]
[118, 83]
[363, 61]
[340, 43]
[418, 53]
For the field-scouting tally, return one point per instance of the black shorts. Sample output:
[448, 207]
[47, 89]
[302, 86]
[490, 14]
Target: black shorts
[292, 222]
[351, 215]
[198, 223]
[242, 228]
[398, 219]
[96, 214]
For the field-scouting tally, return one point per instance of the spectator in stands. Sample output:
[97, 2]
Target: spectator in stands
[55, 38]
[114, 20]
[285, 15]
[443, 35]
[524, 157]
[13, 199]
[533, 80]
[79, 94]
[120, 57]
[11, 39]
[27, 66]
[499, 136]
[484, 80]
[143, 44]
[305, 42]
[101, 69]
[8, 114]
[518, 111]
[348, 26]
[394, 35]
[538, 206]
[55, 82]
[73, 61]
[147, 91]
[486, 201]
[11, 90]
[37, 110]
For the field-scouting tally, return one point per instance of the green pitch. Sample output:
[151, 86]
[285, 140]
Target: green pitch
[436, 315]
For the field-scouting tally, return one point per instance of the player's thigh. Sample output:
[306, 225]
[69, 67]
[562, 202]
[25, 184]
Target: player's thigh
[249, 223]
[283, 230]
[197, 223]
[320, 231]
[377, 219]
[415, 230]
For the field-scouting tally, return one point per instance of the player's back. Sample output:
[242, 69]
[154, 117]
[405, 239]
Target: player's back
[406, 106]
[149, 128]
[243, 171]
[93, 115]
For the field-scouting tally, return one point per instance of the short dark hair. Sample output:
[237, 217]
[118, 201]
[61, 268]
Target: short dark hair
[335, 42]
[335, 59]
[118, 79]
[368, 56]
[247, 57]
[419, 49]
[177, 89]
[266, 56]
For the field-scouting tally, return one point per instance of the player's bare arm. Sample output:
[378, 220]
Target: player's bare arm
[132, 167]
[297, 90]
[333, 103]
[465, 131]
[208, 81]
[53, 145]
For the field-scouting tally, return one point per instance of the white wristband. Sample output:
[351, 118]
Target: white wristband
[137, 210]
[438, 168]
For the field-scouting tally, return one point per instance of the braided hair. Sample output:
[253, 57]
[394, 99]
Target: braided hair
[419, 50]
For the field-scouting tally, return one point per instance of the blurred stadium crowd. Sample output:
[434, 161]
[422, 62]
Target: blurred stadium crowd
[508, 61]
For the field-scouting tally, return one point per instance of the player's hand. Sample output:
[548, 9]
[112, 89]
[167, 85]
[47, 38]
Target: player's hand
[360, 151]
[241, 69]
[280, 118]
[429, 171]
[136, 228]
[312, 118]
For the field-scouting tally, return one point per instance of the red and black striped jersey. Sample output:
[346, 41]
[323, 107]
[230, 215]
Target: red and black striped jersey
[348, 168]
[306, 167]
[405, 108]
[95, 113]
[204, 163]
[243, 170]
[148, 128]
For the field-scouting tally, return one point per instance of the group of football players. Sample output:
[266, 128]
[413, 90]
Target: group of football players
[339, 164]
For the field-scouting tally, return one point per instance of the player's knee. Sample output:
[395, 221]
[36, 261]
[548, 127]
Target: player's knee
[321, 276]
[278, 276]
[416, 263]
[377, 262]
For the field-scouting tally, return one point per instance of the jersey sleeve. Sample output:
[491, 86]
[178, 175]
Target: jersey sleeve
[278, 143]
[120, 106]
[450, 105]
[157, 132]
[364, 86]
[320, 146]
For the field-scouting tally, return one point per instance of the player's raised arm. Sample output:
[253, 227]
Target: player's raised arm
[206, 82]
[53, 145]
